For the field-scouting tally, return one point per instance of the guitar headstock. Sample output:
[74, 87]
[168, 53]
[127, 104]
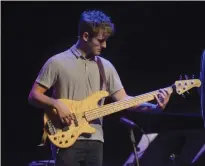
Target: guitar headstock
[182, 86]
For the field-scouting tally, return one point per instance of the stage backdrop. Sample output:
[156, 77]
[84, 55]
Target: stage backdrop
[154, 43]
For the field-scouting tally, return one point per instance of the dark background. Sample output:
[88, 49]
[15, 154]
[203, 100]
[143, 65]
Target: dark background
[154, 43]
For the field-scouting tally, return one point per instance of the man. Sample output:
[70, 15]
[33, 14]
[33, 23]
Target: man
[74, 74]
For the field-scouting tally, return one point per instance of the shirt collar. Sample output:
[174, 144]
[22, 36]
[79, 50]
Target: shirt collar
[78, 54]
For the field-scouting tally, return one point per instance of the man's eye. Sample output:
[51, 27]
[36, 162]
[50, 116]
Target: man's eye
[101, 41]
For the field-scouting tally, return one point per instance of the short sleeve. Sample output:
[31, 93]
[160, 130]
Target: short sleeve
[114, 82]
[48, 73]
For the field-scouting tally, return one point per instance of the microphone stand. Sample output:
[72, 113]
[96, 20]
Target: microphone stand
[132, 137]
[131, 125]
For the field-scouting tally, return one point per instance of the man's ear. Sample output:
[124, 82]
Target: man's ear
[85, 36]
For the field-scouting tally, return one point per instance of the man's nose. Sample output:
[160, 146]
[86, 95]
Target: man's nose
[103, 45]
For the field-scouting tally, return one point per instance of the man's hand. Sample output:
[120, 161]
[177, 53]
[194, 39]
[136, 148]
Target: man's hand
[63, 112]
[162, 98]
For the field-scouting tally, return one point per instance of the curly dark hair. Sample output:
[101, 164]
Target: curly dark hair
[93, 20]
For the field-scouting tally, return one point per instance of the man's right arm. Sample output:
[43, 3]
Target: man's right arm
[46, 79]
[38, 98]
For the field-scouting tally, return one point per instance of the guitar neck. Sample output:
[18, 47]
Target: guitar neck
[121, 105]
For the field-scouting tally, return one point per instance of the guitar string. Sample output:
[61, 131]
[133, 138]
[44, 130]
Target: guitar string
[99, 112]
[133, 102]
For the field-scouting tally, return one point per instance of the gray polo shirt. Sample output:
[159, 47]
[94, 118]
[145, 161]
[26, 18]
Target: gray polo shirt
[75, 78]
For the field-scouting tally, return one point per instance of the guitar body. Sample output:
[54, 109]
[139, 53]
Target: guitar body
[65, 136]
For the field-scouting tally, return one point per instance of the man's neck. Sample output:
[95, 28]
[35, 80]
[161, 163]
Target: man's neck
[80, 47]
[83, 51]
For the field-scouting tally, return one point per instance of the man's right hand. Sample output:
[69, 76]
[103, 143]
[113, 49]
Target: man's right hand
[63, 112]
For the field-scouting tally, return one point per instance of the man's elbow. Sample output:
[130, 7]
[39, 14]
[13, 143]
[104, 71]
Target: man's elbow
[32, 97]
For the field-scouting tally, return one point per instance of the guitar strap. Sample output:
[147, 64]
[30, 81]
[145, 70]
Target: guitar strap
[103, 81]
[103, 85]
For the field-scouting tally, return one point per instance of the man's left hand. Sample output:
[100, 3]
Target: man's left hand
[162, 98]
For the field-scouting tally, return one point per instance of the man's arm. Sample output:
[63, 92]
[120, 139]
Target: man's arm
[38, 98]
[115, 84]
[122, 95]
[46, 79]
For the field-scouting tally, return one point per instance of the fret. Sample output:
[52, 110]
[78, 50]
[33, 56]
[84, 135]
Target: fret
[121, 105]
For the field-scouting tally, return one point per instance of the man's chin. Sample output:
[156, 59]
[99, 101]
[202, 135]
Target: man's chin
[97, 53]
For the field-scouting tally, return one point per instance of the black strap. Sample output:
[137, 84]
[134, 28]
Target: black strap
[102, 74]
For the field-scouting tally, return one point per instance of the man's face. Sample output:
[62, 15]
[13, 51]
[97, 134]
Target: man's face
[97, 43]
